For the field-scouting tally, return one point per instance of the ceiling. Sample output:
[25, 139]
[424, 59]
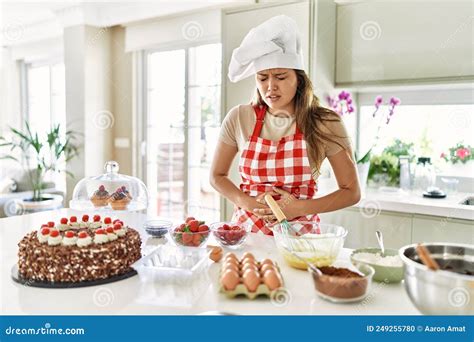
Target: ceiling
[33, 21]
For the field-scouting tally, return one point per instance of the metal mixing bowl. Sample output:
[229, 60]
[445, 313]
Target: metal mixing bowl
[449, 291]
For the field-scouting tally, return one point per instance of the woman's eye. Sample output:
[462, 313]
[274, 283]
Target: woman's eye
[262, 79]
[281, 79]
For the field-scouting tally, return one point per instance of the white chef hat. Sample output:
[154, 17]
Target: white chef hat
[276, 43]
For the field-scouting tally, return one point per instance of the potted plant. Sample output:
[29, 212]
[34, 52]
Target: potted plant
[385, 168]
[460, 160]
[343, 105]
[38, 158]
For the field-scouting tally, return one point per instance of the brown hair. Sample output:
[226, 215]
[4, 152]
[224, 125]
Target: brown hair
[310, 116]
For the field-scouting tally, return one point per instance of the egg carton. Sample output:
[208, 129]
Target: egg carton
[241, 289]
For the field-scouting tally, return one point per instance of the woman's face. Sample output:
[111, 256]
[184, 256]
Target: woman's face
[277, 87]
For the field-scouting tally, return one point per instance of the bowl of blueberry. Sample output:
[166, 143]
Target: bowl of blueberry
[157, 228]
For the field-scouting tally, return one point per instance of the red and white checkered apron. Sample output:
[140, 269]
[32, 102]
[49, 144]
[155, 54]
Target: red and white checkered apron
[265, 164]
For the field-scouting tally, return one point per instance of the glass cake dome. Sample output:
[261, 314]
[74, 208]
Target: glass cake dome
[110, 191]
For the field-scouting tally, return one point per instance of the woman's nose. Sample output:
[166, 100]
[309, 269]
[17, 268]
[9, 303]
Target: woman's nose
[271, 85]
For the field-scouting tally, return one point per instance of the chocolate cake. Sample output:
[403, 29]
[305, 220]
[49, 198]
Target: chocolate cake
[78, 251]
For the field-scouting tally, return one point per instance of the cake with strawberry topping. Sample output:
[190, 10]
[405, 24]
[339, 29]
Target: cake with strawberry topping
[73, 251]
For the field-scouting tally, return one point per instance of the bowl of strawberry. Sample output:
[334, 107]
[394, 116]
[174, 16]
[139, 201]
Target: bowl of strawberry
[230, 234]
[191, 233]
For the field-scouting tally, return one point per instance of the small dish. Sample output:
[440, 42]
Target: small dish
[157, 228]
[383, 273]
[188, 238]
[341, 284]
[230, 234]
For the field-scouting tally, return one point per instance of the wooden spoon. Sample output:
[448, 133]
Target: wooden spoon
[426, 258]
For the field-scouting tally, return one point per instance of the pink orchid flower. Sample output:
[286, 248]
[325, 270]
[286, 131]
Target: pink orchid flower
[378, 101]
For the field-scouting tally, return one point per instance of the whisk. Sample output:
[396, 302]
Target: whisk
[288, 233]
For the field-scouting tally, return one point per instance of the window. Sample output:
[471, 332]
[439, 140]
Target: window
[46, 104]
[432, 129]
[182, 125]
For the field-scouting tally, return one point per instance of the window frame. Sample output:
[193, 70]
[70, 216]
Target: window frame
[24, 67]
[142, 68]
[24, 83]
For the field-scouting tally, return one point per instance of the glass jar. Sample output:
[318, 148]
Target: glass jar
[425, 176]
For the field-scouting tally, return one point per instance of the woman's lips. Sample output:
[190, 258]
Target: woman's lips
[273, 98]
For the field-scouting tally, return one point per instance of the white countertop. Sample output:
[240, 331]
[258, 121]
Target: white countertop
[413, 203]
[131, 297]
[409, 202]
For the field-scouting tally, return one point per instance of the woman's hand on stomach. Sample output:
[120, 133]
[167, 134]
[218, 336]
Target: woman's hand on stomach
[259, 207]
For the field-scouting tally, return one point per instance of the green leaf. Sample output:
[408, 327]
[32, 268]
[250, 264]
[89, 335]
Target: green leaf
[20, 134]
[10, 157]
[365, 158]
[399, 148]
[385, 164]
[70, 174]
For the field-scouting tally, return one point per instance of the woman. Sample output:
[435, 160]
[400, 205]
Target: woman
[282, 137]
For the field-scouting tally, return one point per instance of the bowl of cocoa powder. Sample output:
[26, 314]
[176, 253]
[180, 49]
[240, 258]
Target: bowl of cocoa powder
[343, 284]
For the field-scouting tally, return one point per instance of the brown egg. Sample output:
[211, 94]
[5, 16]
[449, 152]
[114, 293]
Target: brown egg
[231, 256]
[250, 271]
[251, 280]
[272, 280]
[230, 280]
[266, 267]
[216, 254]
[249, 266]
[249, 261]
[230, 266]
[248, 255]
[231, 261]
[267, 261]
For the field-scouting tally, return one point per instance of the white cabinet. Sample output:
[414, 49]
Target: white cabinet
[442, 229]
[404, 40]
[395, 227]
[398, 229]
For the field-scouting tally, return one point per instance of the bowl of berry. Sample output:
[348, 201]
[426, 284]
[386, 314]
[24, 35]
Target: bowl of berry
[230, 234]
[191, 233]
[157, 228]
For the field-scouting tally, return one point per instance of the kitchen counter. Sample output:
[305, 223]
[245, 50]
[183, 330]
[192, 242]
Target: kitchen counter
[408, 202]
[131, 297]
[413, 203]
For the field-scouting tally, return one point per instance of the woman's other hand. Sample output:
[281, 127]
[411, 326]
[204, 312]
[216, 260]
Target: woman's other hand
[288, 203]
[259, 207]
